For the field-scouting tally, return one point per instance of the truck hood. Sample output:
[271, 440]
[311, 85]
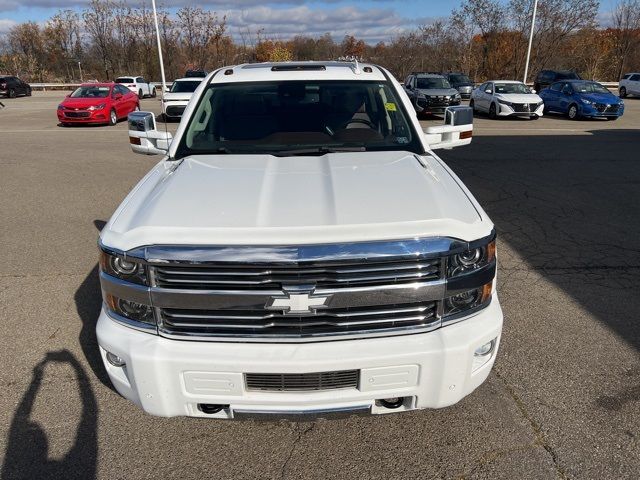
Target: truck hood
[262, 199]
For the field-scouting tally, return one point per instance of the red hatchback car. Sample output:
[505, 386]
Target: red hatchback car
[97, 103]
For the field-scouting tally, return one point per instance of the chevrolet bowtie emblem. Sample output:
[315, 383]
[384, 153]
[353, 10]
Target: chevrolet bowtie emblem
[297, 302]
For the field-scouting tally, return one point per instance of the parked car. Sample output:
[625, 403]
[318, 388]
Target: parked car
[430, 92]
[582, 98]
[138, 85]
[460, 82]
[98, 103]
[629, 85]
[176, 100]
[11, 86]
[308, 249]
[547, 77]
[506, 98]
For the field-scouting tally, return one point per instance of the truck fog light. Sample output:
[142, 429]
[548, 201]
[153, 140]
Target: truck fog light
[483, 354]
[485, 349]
[115, 360]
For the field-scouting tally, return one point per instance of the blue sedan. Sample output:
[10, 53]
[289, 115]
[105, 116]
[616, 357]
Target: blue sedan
[582, 98]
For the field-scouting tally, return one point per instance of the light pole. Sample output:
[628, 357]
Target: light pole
[533, 24]
[155, 21]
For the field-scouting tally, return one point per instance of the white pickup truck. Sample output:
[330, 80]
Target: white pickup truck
[299, 249]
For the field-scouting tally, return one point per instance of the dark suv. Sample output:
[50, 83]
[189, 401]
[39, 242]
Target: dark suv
[12, 87]
[430, 92]
[460, 82]
[547, 77]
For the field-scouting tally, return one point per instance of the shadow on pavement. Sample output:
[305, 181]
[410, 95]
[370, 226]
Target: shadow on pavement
[88, 300]
[569, 205]
[28, 446]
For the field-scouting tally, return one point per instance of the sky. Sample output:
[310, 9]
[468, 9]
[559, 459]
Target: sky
[371, 20]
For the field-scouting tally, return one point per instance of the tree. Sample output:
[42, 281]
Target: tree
[626, 32]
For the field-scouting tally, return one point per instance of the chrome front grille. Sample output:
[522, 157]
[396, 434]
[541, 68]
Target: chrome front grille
[329, 321]
[297, 382]
[269, 277]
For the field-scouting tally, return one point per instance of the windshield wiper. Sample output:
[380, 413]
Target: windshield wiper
[316, 150]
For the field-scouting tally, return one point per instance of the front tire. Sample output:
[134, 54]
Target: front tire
[28, 92]
[612, 119]
[534, 117]
[113, 117]
[153, 93]
[492, 112]
[473, 106]
[623, 92]
[573, 113]
[12, 93]
[140, 94]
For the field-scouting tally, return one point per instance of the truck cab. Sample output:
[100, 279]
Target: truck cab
[299, 249]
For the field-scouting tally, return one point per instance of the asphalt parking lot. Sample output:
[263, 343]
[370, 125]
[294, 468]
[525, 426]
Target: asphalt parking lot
[562, 401]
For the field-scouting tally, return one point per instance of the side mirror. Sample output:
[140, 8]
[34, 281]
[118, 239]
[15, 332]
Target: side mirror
[456, 131]
[532, 90]
[117, 96]
[488, 90]
[144, 137]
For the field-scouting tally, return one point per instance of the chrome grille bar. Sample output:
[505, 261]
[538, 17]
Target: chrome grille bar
[235, 277]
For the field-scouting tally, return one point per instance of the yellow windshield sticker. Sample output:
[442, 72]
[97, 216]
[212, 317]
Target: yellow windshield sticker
[391, 107]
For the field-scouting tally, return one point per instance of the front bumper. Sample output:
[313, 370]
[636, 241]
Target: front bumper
[95, 116]
[174, 108]
[508, 111]
[172, 377]
[593, 112]
[429, 105]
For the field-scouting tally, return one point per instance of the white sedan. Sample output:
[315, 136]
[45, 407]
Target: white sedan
[505, 98]
[175, 100]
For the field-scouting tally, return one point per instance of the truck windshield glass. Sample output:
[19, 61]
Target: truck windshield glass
[425, 83]
[511, 88]
[298, 117]
[90, 92]
[185, 86]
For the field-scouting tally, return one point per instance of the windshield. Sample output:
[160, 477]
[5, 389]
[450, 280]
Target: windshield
[186, 86]
[301, 117]
[460, 79]
[511, 88]
[90, 92]
[125, 80]
[589, 87]
[425, 83]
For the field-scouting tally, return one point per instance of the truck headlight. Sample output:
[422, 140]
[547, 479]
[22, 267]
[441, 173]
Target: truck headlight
[130, 310]
[128, 269]
[504, 102]
[471, 260]
[97, 107]
[465, 302]
[588, 102]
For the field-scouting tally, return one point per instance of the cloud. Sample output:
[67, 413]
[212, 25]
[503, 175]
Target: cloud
[284, 23]
[6, 24]
[8, 5]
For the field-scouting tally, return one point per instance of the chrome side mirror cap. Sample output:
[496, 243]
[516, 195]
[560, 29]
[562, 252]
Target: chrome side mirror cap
[456, 131]
[144, 136]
